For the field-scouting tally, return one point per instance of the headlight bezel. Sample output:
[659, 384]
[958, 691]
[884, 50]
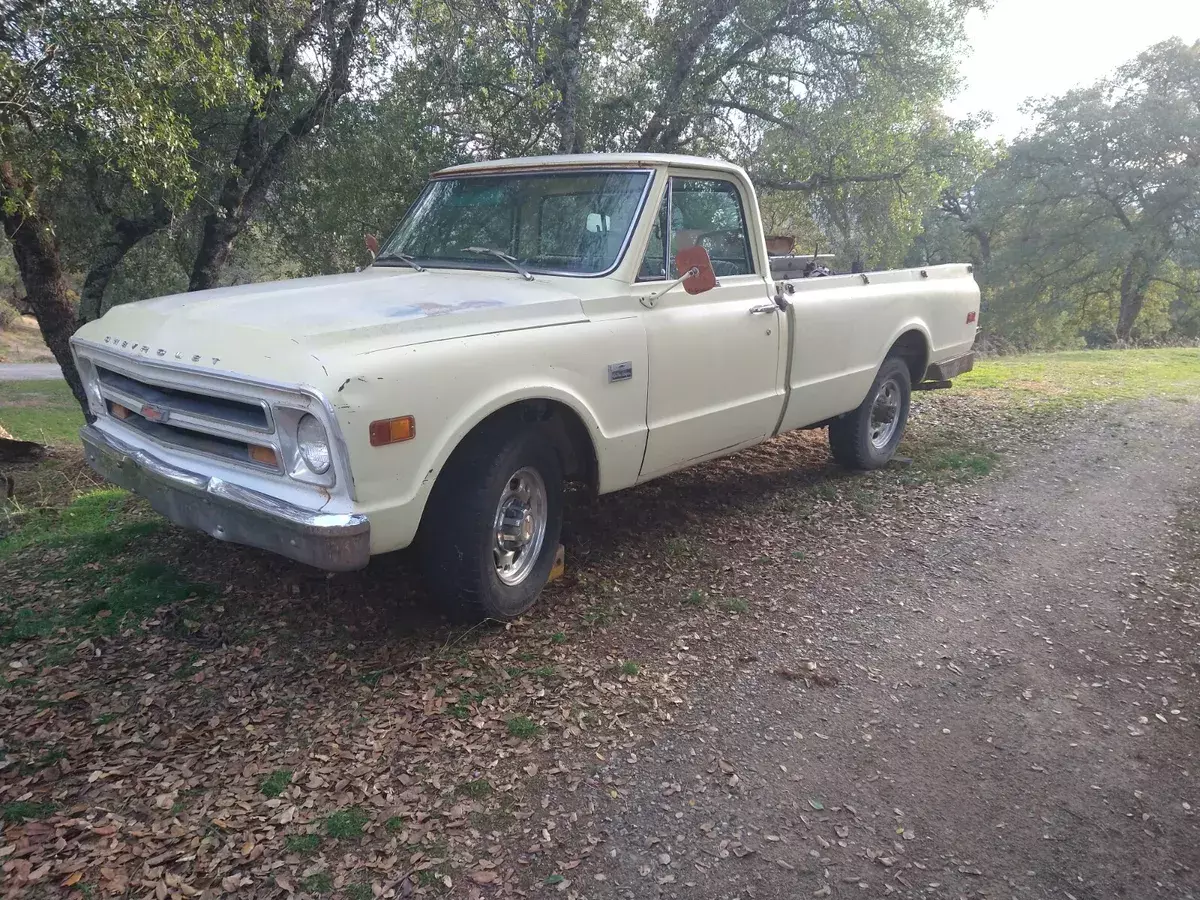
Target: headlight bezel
[296, 467]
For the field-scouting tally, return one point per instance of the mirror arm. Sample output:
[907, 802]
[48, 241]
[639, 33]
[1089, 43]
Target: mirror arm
[650, 301]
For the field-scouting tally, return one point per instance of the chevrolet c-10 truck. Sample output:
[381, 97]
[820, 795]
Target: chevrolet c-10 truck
[599, 319]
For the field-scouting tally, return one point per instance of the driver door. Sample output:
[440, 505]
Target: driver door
[714, 358]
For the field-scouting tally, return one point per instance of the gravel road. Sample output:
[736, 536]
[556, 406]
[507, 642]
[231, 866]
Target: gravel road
[29, 371]
[1004, 704]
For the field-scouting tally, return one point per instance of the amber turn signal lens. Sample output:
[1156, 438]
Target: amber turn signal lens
[393, 431]
[119, 411]
[264, 455]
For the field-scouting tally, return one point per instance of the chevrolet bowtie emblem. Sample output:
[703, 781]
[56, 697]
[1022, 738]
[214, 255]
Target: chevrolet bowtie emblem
[153, 413]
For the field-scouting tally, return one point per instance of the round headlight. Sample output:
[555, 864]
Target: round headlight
[313, 443]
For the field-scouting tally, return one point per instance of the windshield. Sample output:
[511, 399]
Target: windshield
[573, 223]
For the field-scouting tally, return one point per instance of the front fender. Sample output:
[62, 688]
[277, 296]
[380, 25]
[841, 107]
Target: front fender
[450, 387]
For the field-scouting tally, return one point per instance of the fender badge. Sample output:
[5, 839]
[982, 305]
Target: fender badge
[622, 371]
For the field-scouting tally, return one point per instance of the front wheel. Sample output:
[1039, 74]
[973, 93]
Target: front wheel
[492, 524]
[867, 437]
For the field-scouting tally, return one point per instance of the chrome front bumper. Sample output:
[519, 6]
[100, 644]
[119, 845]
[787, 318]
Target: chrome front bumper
[337, 542]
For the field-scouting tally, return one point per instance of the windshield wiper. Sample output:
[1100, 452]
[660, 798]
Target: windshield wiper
[401, 257]
[503, 257]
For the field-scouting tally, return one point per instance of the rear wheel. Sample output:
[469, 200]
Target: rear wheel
[867, 437]
[492, 524]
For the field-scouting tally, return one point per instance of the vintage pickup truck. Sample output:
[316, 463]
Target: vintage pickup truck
[527, 325]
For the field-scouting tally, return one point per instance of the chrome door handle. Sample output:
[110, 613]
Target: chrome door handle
[765, 308]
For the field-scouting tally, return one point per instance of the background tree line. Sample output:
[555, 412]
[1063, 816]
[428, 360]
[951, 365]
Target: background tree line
[154, 146]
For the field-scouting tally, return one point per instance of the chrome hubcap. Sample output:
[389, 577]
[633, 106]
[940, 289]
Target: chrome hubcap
[885, 414]
[520, 526]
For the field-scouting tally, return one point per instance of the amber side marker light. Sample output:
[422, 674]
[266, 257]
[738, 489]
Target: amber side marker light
[264, 455]
[393, 431]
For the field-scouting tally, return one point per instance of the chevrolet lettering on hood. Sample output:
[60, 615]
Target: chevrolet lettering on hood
[144, 349]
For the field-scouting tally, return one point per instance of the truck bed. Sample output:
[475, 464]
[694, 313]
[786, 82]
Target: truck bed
[789, 269]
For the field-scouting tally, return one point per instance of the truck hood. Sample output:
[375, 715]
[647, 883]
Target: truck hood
[378, 303]
[361, 312]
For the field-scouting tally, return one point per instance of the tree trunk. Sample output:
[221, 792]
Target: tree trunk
[259, 161]
[216, 245]
[126, 234]
[1132, 299]
[985, 245]
[35, 249]
[666, 119]
[570, 139]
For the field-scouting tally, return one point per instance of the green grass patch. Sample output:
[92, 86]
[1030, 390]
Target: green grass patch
[22, 625]
[139, 592]
[103, 543]
[25, 811]
[359, 891]
[89, 518]
[461, 709]
[41, 411]
[394, 824]
[558, 638]
[695, 598]
[735, 605]
[966, 463]
[629, 667]
[318, 883]
[1088, 375]
[276, 783]
[371, 679]
[678, 547]
[476, 790]
[302, 843]
[825, 490]
[429, 878]
[346, 823]
[522, 727]
[50, 758]
[596, 617]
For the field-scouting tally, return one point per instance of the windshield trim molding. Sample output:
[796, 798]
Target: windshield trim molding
[434, 263]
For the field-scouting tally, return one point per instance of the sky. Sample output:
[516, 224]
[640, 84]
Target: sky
[1036, 48]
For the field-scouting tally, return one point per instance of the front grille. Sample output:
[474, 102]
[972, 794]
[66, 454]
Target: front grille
[231, 412]
[234, 430]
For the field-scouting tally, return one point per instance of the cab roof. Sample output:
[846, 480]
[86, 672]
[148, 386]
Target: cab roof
[593, 160]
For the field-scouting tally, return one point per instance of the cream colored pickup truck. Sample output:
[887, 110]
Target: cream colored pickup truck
[527, 325]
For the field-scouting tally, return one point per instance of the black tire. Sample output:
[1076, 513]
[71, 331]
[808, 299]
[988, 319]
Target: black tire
[457, 536]
[850, 436]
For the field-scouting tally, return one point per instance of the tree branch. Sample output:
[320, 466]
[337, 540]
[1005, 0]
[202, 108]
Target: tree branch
[126, 235]
[819, 181]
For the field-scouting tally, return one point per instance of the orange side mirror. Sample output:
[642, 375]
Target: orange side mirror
[696, 268]
[372, 244]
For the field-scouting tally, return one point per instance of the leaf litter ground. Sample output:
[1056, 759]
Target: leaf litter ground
[182, 718]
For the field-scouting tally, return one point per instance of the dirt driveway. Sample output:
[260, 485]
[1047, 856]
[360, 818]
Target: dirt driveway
[1004, 702]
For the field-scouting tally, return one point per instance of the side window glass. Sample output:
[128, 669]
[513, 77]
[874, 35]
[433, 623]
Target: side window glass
[653, 266]
[708, 212]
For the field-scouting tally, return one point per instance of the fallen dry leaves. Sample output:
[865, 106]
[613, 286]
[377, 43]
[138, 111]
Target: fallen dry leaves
[418, 760]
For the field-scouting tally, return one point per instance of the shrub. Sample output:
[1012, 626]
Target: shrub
[9, 316]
